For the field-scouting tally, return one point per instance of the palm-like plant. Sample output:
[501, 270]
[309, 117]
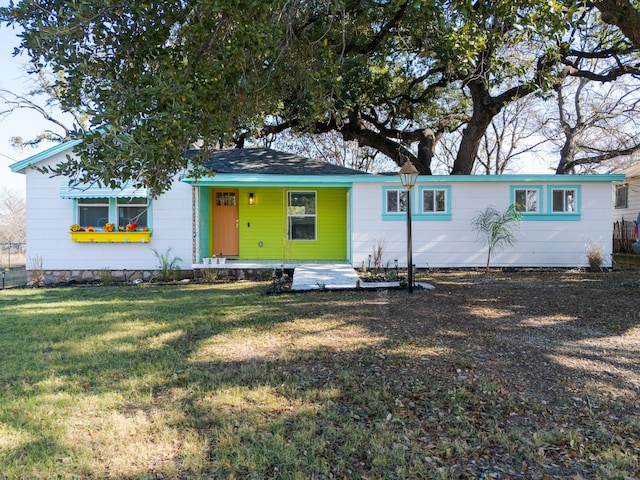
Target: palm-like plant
[496, 228]
[168, 264]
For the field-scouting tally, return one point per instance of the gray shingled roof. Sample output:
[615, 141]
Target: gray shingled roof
[264, 161]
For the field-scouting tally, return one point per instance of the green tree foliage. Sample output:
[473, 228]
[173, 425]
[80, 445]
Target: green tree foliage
[496, 229]
[162, 76]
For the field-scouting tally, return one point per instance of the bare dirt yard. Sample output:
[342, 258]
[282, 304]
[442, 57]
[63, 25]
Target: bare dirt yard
[548, 362]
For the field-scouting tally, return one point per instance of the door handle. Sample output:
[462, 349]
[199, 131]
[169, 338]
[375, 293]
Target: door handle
[237, 224]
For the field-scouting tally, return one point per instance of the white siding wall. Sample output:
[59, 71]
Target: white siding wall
[630, 213]
[49, 217]
[452, 243]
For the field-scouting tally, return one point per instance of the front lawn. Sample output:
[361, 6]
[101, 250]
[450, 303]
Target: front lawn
[508, 375]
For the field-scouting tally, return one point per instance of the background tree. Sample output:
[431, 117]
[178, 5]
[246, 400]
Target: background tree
[13, 215]
[516, 133]
[597, 123]
[44, 99]
[597, 96]
[332, 148]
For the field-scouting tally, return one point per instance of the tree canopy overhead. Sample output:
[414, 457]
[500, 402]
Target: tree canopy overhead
[162, 76]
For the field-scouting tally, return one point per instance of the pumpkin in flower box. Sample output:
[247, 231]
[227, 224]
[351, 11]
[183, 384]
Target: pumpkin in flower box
[108, 227]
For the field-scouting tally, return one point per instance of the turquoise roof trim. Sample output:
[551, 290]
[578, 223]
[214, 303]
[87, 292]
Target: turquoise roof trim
[509, 178]
[225, 180]
[38, 157]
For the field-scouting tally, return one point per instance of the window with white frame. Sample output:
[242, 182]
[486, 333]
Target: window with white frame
[93, 212]
[132, 210]
[301, 215]
[396, 201]
[527, 200]
[622, 195]
[434, 200]
[564, 200]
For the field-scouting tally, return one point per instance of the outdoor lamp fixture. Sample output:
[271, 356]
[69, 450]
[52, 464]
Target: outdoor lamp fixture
[408, 176]
[252, 200]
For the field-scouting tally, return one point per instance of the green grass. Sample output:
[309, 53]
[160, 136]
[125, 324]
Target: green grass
[626, 260]
[224, 381]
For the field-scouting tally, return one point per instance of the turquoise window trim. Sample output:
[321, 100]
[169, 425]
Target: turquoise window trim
[564, 215]
[398, 216]
[552, 217]
[433, 216]
[113, 211]
[539, 215]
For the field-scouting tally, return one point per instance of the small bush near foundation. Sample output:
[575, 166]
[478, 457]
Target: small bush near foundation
[594, 255]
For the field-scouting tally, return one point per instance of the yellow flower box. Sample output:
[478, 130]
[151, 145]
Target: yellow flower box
[111, 237]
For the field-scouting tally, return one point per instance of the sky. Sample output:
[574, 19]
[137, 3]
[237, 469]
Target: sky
[12, 77]
[25, 124]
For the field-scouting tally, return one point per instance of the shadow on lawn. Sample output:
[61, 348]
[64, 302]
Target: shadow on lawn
[483, 376]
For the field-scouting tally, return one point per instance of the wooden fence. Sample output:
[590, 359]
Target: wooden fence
[624, 234]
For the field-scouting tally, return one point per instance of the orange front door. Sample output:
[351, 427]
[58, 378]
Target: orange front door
[225, 222]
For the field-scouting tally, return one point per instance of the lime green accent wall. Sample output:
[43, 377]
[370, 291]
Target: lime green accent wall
[266, 222]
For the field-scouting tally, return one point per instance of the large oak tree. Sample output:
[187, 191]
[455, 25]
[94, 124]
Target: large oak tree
[161, 76]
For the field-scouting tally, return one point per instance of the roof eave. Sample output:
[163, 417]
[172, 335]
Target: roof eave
[22, 165]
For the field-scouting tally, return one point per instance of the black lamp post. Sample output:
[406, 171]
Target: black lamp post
[408, 176]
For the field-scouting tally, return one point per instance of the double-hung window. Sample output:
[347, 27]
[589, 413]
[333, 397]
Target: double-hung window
[301, 215]
[434, 200]
[396, 201]
[564, 200]
[132, 210]
[622, 195]
[526, 199]
[93, 212]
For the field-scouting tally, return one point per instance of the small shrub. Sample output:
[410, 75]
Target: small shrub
[594, 255]
[168, 265]
[36, 273]
[106, 277]
[379, 244]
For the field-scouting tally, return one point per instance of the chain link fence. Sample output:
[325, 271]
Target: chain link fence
[12, 265]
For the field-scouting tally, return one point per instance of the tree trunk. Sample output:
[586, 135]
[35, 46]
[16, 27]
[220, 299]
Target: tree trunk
[470, 143]
[484, 109]
[426, 149]
[567, 154]
[623, 15]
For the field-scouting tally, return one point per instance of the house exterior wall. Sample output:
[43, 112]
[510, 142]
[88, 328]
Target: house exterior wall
[351, 220]
[630, 213]
[263, 225]
[49, 245]
[545, 240]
